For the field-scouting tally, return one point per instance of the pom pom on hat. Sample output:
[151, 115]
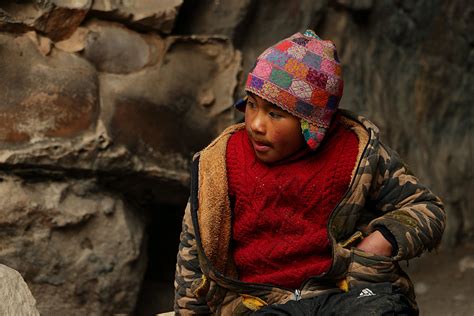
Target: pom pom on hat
[301, 74]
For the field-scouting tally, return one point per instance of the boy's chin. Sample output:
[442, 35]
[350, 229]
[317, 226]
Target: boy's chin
[268, 157]
[273, 156]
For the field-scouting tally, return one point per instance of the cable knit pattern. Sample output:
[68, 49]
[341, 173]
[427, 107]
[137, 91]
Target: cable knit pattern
[281, 211]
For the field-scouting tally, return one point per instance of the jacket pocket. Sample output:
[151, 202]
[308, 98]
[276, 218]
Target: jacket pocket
[366, 268]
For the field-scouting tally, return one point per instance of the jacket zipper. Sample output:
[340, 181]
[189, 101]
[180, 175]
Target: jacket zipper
[297, 295]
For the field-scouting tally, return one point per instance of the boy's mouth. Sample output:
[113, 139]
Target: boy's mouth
[261, 146]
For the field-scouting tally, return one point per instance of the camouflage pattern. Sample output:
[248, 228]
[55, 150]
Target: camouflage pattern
[382, 192]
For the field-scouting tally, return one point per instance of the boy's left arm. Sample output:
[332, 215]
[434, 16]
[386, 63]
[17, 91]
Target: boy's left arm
[412, 214]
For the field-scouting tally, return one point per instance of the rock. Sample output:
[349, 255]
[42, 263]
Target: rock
[421, 288]
[144, 14]
[76, 244]
[10, 24]
[356, 5]
[75, 43]
[68, 4]
[147, 110]
[57, 19]
[113, 48]
[209, 17]
[149, 126]
[15, 296]
[59, 23]
[43, 44]
[206, 98]
[54, 96]
[417, 89]
[466, 263]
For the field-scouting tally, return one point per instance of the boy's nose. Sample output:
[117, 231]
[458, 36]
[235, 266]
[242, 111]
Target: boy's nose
[258, 124]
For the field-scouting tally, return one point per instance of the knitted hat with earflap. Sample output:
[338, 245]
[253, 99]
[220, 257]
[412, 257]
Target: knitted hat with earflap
[301, 74]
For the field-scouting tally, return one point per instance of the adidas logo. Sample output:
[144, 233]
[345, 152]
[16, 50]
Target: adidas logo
[366, 292]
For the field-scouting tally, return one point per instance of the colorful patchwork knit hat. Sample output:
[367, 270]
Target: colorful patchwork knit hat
[301, 74]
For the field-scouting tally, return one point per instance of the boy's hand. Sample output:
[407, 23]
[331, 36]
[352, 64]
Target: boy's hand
[376, 244]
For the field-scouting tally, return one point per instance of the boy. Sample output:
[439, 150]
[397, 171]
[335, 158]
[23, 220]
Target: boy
[301, 210]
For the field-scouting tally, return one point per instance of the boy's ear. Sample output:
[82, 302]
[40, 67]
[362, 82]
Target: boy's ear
[240, 104]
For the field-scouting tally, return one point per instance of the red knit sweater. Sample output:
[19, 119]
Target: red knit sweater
[280, 212]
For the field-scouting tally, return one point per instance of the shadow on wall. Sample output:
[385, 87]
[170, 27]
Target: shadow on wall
[157, 292]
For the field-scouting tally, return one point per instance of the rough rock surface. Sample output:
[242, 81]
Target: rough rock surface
[408, 66]
[15, 296]
[213, 17]
[143, 14]
[57, 19]
[77, 245]
[133, 123]
[115, 49]
[50, 101]
[153, 106]
[98, 126]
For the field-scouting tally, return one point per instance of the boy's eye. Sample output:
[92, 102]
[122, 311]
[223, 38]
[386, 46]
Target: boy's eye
[251, 104]
[275, 115]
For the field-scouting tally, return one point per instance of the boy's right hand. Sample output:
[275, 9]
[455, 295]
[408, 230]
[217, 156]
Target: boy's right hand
[376, 244]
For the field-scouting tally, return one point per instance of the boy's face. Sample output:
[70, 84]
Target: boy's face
[274, 133]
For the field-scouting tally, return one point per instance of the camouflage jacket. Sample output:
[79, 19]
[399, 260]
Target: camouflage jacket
[382, 192]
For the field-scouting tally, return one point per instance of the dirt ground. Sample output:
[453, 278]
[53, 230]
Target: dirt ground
[444, 282]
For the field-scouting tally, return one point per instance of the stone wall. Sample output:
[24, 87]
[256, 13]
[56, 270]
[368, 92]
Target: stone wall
[104, 102]
[101, 109]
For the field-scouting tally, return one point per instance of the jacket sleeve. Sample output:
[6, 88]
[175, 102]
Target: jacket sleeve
[410, 211]
[188, 272]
